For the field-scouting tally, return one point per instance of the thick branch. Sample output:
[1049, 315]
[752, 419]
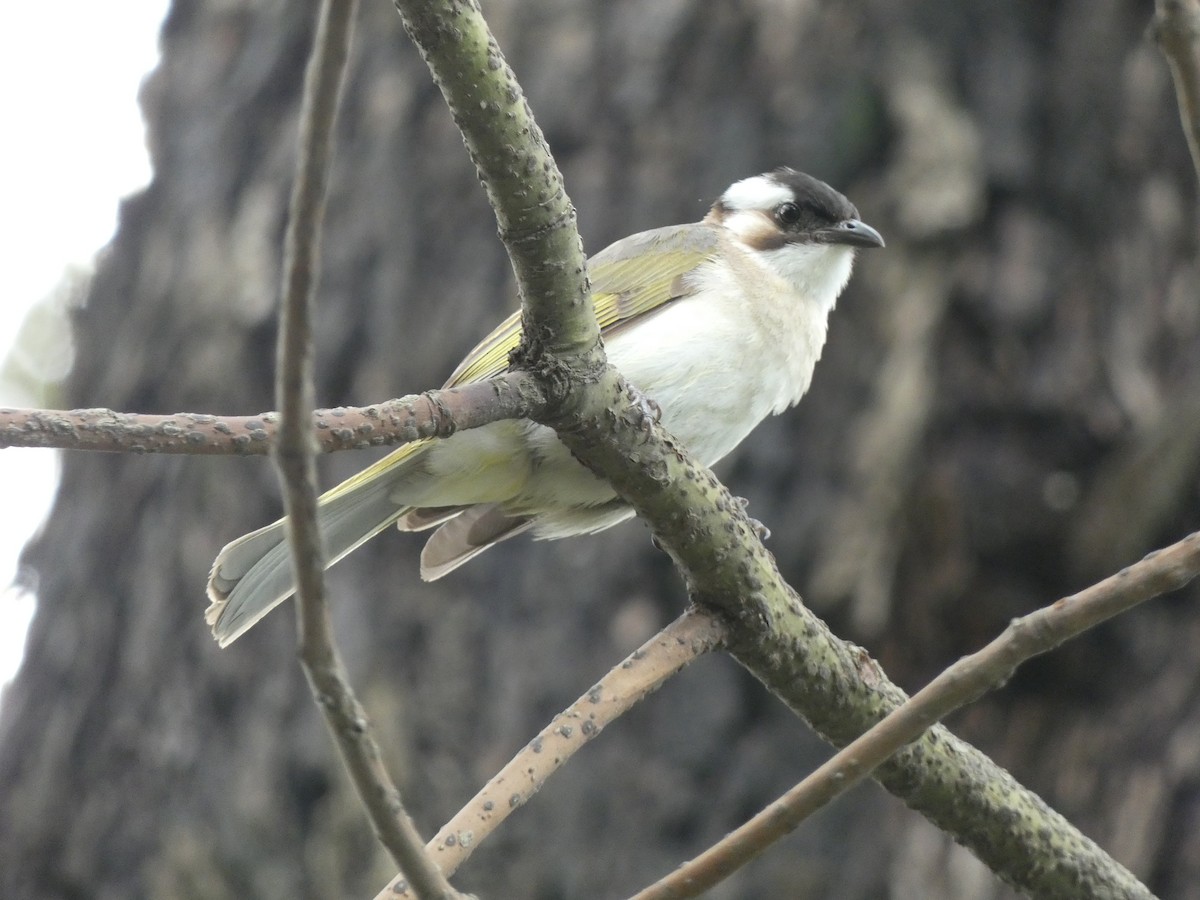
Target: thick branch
[525, 188]
[1177, 27]
[640, 674]
[960, 684]
[433, 414]
[832, 684]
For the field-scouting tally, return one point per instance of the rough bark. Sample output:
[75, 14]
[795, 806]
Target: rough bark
[1005, 412]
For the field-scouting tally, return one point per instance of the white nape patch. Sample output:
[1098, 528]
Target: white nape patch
[760, 192]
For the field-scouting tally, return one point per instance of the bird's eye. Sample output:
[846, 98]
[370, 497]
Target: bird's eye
[787, 214]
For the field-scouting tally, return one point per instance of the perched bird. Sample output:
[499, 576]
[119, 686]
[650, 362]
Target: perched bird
[720, 323]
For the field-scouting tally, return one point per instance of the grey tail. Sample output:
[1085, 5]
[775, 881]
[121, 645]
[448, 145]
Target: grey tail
[467, 535]
[253, 575]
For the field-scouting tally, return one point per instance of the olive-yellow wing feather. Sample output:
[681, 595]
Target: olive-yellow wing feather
[629, 279]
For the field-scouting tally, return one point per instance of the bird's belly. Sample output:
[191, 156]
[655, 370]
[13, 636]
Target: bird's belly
[691, 359]
[714, 378]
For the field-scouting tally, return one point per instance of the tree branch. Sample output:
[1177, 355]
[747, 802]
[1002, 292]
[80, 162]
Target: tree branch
[640, 674]
[835, 686]
[294, 455]
[432, 414]
[1177, 29]
[960, 684]
[832, 684]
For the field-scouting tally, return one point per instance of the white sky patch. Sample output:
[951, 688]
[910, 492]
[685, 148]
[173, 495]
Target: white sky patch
[74, 144]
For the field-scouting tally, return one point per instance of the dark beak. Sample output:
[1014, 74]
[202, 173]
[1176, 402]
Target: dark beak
[852, 232]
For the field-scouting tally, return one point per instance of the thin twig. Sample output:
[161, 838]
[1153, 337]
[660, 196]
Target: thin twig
[295, 457]
[641, 673]
[1177, 28]
[432, 414]
[960, 684]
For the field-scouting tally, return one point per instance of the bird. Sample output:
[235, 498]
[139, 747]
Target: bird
[719, 323]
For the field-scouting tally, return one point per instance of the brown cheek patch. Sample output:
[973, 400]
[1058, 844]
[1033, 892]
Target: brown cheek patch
[763, 234]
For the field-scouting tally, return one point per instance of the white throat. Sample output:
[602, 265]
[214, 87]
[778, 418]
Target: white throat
[818, 272]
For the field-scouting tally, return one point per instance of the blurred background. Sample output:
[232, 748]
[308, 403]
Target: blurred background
[60, 205]
[1008, 410]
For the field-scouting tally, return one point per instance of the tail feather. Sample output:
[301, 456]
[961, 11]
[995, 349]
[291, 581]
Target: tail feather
[466, 536]
[253, 575]
[427, 517]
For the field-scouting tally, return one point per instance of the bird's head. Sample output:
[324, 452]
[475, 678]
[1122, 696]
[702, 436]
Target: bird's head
[797, 226]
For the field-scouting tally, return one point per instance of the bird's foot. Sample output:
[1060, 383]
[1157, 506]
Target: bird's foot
[649, 412]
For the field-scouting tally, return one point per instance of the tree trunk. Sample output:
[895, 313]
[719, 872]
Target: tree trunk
[1006, 411]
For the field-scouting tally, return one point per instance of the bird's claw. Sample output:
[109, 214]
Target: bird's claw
[650, 411]
[761, 530]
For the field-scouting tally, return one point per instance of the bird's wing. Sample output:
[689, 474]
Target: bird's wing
[630, 278]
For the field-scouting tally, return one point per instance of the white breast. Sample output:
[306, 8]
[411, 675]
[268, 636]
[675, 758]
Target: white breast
[742, 347]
